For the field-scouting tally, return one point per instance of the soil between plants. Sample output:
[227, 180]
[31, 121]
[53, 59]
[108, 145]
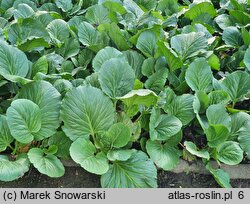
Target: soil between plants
[76, 177]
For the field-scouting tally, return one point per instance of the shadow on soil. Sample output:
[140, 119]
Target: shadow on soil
[76, 177]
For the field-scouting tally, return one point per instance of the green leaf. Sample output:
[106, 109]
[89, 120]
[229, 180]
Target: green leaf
[214, 62]
[65, 5]
[62, 142]
[164, 156]
[199, 76]
[59, 31]
[137, 172]
[230, 153]
[232, 36]
[29, 34]
[13, 62]
[189, 45]
[135, 60]
[79, 115]
[217, 115]
[240, 17]
[237, 85]
[114, 7]
[182, 108]
[91, 37]
[83, 152]
[23, 11]
[41, 65]
[174, 62]
[48, 99]
[5, 136]
[12, 170]
[192, 148]
[49, 164]
[70, 48]
[117, 37]
[118, 135]
[201, 102]
[24, 119]
[216, 134]
[157, 80]
[104, 55]
[219, 96]
[199, 9]
[240, 123]
[32, 44]
[120, 154]
[148, 67]
[163, 126]
[116, 77]
[222, 177]
[240, 130]
[140, 97]
[224, 21]
[246, 36]
[247, 58]
[97, 14]
[146, 43]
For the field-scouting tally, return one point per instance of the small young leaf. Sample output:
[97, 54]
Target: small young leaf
[164, 156]
[84, 153]
[230, 153]
[49, 165]
[191, 147]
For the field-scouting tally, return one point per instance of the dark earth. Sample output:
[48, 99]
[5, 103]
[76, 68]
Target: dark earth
[76, 177]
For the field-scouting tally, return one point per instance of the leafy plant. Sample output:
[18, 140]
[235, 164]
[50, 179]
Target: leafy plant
[123, 88]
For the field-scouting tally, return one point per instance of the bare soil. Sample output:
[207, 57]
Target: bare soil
[76, 177]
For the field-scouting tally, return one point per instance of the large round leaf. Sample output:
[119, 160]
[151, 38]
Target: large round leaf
[48, 99]
[24, 120]
[199, 76]
[12, 170]
[116, 77]
[49, 164]
[189, 45]
[200, 9]
[164, 156]
[85, 111]
[147, 43]
[104, 55]
[84, 153]
[137, 172]
[12, 61]
[5, 135]
[59, 31]
[230, 153]
[232, 36]
[237, 85]
[163, 126]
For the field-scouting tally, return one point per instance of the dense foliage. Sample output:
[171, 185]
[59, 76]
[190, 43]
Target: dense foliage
[123, 87]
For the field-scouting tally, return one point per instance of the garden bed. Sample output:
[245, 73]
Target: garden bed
[76, 177]
[185, 175]
[124, 88]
